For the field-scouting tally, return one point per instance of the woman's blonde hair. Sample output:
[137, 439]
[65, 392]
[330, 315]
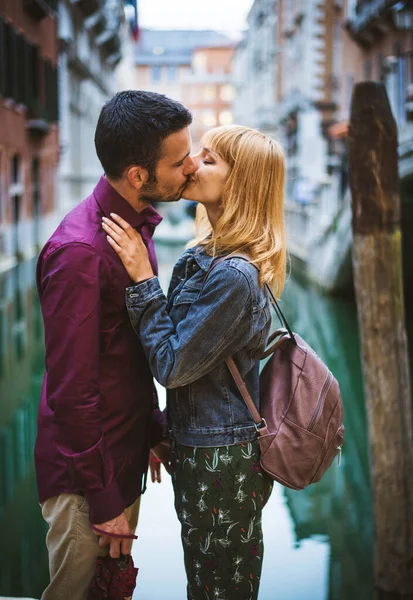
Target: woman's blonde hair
[251, 220]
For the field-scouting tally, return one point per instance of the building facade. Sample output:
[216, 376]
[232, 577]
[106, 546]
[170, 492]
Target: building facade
[207, 88]
[255, 69]
[90, 49]
[194, 67]
[29, 140]
[303, 90]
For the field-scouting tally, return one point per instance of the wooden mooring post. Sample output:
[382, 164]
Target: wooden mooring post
[377, 263]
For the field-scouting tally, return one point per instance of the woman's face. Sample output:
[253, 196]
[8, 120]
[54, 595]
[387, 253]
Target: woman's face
[206, 184]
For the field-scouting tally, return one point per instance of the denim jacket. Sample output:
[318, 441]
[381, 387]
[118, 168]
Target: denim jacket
[187, 337]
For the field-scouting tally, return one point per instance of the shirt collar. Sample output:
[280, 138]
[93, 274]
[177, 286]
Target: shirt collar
[110, 201]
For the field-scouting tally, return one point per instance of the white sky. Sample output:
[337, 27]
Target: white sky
[222, 15]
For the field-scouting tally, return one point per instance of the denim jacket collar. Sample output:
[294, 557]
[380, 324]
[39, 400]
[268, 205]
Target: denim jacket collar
[203, 259]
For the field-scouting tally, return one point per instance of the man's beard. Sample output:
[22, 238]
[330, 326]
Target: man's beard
[150, 193]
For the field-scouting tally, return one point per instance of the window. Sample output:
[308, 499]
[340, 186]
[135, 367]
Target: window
[200, 62]
[209, 118]
[260, 19]
[209, 93]
[156, 74]
[16, 193]
[15, 169]
[25, 77]
[36, 198]
[172, 73]
[32, 74]
[225, 117]
[20, 45]
[227, 93]
[10, 66]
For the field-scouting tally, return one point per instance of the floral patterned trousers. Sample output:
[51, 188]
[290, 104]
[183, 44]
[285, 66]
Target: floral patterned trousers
[219, 496]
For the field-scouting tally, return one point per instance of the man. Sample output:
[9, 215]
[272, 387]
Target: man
[97, 416]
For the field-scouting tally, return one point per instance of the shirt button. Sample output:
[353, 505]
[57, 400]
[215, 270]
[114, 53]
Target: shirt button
[195, 267]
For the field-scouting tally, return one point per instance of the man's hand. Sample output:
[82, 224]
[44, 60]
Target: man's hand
[162, 453]
[118, 526]
[155, 468]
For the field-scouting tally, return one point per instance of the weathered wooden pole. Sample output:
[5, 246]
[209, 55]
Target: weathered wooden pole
[377, 262]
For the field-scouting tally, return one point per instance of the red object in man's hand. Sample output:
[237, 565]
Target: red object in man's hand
[114, 578]
[155, 468]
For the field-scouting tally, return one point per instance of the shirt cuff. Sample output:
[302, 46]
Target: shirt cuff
[105, 504]
[143, 292]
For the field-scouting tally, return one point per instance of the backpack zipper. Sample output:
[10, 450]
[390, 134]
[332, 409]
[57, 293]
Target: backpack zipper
[320, 402]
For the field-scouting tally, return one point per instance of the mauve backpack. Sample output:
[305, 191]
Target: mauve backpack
[300, 423]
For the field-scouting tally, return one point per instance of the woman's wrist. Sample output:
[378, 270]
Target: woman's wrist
[143, 277]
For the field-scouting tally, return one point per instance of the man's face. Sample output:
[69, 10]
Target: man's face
[172, 170]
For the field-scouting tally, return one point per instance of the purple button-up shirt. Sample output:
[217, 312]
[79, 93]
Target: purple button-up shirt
[98, 407]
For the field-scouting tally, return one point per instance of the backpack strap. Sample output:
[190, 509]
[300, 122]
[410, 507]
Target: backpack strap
[239, 382]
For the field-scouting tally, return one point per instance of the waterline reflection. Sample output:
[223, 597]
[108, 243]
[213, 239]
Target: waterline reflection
[24, 567]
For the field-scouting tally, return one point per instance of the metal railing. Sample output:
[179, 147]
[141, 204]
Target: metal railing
[367, 11]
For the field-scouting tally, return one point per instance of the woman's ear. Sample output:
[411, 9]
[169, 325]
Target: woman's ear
[137, 176]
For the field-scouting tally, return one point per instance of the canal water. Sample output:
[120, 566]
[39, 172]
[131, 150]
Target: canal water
[318, 541]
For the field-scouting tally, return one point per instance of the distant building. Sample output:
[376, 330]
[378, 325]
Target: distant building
[194, 67]
[129, 32]
[29, 142]
[295, 70]
[90, 49]
[255, 69]
[208, 90]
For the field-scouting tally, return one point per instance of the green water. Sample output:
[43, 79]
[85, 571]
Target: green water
[339, 508]
[324, 533]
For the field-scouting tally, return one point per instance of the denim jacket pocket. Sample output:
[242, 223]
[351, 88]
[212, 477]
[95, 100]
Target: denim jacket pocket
[187, 295]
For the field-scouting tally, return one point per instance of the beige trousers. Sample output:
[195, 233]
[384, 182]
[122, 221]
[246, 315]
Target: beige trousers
[73, 547]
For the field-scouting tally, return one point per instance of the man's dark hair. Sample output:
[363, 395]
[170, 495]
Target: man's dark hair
[131, 129]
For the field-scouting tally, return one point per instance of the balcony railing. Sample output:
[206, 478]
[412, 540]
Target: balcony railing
[369, 12]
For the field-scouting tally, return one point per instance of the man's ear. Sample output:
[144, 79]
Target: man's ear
[137, 176]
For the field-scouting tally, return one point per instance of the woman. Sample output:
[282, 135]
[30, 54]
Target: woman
[215, 309]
